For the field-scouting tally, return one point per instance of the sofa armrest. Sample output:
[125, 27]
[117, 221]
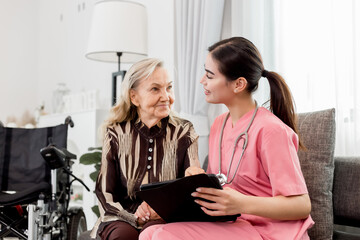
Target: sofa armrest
[346, 191]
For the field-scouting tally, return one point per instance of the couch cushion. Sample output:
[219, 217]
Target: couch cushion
[317, 132]
[346, 191]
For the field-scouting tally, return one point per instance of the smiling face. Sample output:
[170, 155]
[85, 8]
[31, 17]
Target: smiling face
[217, 88]
[153, 97]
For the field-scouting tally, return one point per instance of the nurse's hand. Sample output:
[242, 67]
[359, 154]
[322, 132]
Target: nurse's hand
[224, 202]
[192, 170]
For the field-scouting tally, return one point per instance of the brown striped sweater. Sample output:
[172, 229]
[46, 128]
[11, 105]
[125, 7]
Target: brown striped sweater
[133, 155]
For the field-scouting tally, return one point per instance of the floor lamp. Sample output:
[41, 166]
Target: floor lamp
[118, 34]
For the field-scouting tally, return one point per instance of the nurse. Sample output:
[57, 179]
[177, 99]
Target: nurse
[253, 150]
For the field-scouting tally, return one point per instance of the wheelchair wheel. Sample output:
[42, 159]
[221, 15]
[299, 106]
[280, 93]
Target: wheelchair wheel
[77, 225]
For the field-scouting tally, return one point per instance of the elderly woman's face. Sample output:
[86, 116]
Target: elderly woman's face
[153, 97]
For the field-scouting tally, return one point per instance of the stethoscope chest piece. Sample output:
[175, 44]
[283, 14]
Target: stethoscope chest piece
[222, 178]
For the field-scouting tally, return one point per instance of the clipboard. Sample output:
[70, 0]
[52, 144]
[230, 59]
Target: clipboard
[173, 202]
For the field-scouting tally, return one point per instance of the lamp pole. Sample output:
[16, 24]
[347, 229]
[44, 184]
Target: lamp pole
[114, 79]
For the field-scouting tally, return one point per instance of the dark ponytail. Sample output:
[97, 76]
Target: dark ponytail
[281, 101]
[238, 57]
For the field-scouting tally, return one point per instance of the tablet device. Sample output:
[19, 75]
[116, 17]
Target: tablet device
[173, 202]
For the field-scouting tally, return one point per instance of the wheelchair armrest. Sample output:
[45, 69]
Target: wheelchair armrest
[55, 157]
[68, 154]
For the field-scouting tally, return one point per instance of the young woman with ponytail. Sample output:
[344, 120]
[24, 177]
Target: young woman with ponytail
[253, 151]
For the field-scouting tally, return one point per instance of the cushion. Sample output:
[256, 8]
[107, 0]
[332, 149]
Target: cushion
[317, 133]
[346, 191]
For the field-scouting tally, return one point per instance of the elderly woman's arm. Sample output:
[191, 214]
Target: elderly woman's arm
[192, 153]
[108, 186]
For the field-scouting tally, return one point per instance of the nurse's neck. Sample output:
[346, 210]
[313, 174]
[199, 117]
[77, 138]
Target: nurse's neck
[239, 107]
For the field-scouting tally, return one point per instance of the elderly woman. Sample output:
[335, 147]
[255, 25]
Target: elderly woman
[143, 143]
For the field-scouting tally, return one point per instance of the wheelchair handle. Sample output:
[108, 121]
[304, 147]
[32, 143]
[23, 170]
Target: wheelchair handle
[69, 121]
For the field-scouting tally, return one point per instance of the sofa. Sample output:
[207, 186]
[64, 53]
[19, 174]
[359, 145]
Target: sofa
[333, 182]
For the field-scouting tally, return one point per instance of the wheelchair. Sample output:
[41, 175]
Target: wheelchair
[35, 184]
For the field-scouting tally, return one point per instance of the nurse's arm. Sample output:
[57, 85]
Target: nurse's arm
[280, 207]
[229, 201]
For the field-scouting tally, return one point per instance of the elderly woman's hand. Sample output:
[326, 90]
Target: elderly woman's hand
[145, 213]
[192, 170]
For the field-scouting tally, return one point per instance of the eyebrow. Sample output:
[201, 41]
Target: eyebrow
[159, 85]
[207, 70]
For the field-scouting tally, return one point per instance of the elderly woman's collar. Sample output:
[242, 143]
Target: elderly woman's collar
[138, 121]
[152, 132]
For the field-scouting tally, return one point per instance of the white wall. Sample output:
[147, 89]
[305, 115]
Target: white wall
[44, 42]
[18, 57]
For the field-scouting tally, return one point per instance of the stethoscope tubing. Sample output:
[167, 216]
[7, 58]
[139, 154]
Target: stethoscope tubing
[222, 178]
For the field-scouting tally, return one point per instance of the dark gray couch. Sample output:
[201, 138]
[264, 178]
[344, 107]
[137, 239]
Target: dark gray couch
[346, 198]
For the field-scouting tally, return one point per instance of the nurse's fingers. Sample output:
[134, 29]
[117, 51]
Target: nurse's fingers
[209, 205]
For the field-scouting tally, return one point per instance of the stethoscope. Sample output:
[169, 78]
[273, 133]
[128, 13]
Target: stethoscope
[222, 178]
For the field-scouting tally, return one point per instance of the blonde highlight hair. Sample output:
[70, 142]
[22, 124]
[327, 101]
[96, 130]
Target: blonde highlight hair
[124, 110]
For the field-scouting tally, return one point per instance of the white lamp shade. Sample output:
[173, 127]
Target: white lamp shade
[118, 26]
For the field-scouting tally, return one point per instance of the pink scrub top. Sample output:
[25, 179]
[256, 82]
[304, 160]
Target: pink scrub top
[270, 167]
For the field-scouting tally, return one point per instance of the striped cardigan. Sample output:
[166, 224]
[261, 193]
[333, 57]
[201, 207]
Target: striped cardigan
[133, 155]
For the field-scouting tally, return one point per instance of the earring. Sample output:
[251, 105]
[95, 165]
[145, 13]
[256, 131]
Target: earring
[235, 91]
